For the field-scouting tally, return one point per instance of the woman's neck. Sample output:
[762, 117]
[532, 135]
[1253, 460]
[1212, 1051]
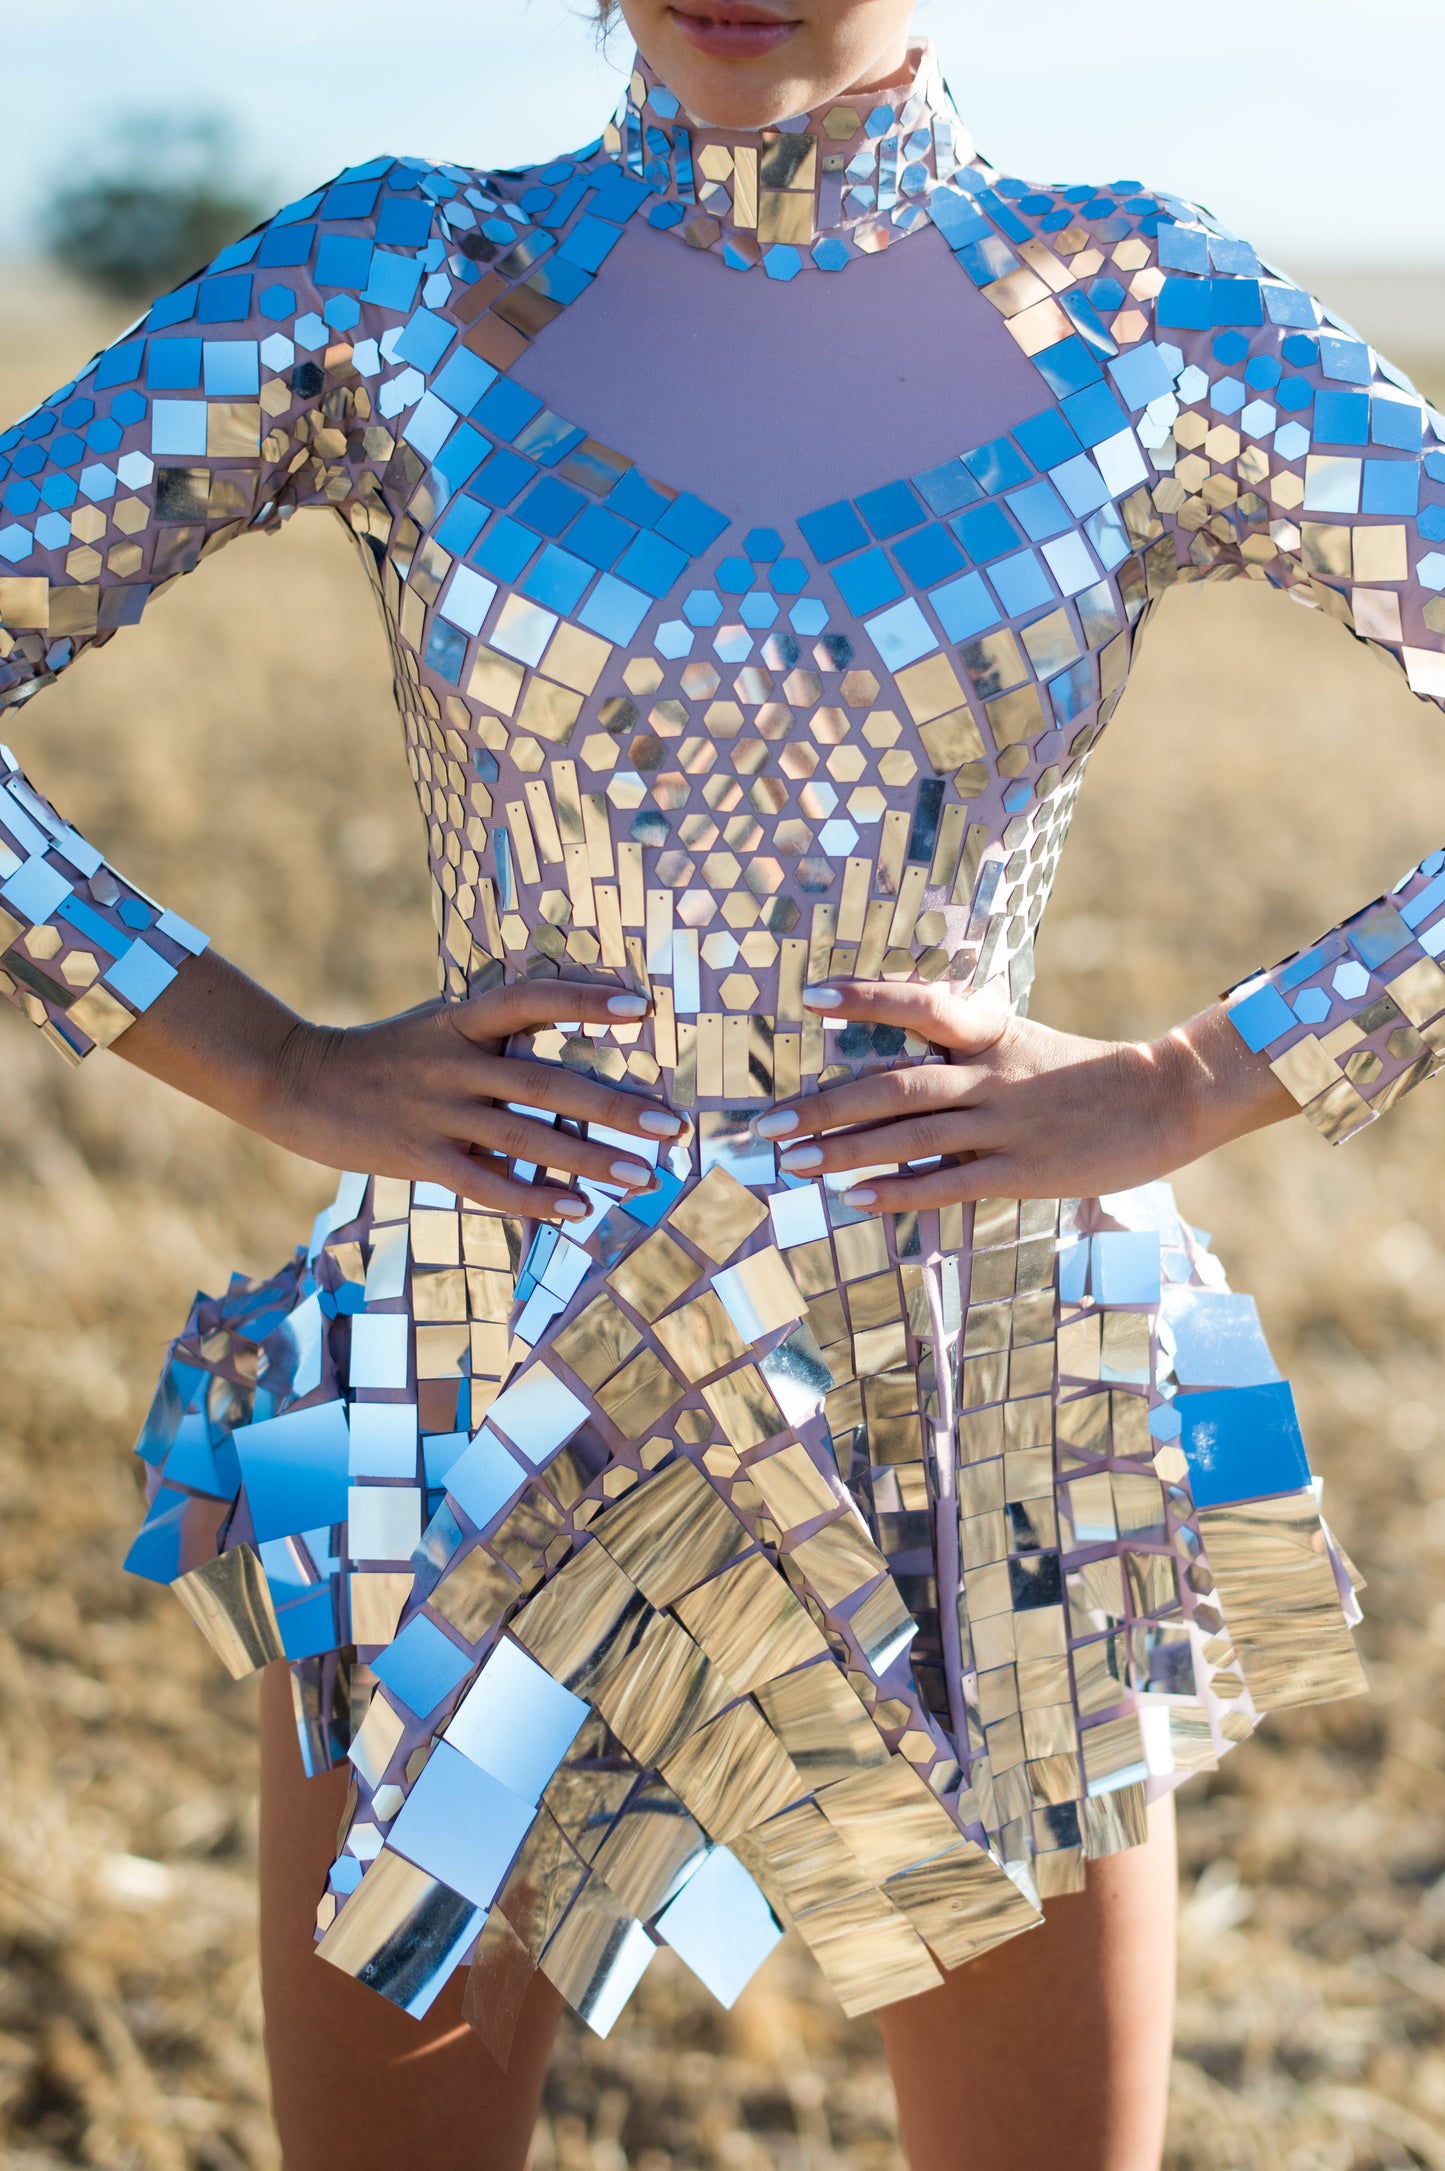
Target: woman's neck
[850, 178]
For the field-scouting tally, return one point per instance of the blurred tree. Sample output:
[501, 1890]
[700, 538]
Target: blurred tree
[156, 201]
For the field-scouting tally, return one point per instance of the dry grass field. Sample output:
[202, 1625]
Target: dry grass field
[238, 755]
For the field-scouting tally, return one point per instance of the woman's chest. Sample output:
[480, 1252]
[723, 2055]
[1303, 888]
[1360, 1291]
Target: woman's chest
[706, 690]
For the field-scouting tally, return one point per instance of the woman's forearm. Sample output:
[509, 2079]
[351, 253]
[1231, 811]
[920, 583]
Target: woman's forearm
[216, 1035]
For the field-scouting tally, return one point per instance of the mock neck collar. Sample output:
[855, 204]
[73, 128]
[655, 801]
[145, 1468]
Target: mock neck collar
[847, 180]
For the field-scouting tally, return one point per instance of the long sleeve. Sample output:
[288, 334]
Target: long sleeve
[240, 396]
[1210, 420]
[1293, 454]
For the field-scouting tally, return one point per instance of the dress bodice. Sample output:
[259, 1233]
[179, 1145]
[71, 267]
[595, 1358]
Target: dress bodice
[762, 528]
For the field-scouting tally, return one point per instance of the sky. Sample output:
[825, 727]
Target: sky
[1310, 126]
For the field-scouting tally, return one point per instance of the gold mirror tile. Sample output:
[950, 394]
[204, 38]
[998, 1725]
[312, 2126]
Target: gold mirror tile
[1043, 1681]
[861, 1249]
[874, 1301]
[811, 1265]
[1051, 1732]
[700, 1338]
[474, 1594]
[583, 1624]
[719, 1214]
[891, 1395]
[1112, 1748]
[733, 1773]
[760, 1294]
[637, 1397]
[827, 1318]
[743, 1405]
[597, 1342]
[750, 1624]
[376, 1600]
[888, 1818]
[980, 1489]
[1113, 1823]
[1083, 1424]
[929, 689]
[1276, 1587]
[650, 1849]
[961, 1903]
[528, 1530]
[995, 1221]
[1138, 1505]
[869, 1951]
[439, 1295]
[794, 1490]
[800, 1861]
[883, 1625]
[490, 1292]
[654, 1276]
[839, 1560]
[376, 1740]
[880, 1349]
[671, 1533]
[435, 1238]
[662, 1692]
[484, 1242]
[822, 1725]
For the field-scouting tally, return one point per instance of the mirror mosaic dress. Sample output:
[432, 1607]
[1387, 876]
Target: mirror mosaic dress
[735, 1561]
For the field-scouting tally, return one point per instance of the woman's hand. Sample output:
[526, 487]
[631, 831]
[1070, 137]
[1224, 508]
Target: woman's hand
[1018, 1110]
[423, 1096]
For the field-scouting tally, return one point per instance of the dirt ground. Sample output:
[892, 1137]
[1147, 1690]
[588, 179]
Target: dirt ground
[238, 756]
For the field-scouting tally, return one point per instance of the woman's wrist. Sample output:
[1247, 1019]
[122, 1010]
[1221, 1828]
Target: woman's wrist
[291, 1077]
[1211, 1087]
[217, 1036]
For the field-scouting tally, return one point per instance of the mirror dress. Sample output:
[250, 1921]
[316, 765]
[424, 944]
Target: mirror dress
[735, 1561]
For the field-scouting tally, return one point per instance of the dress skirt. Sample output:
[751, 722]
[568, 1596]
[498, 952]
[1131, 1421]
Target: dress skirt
[737, 1562]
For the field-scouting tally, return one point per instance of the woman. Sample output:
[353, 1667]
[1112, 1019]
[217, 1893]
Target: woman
[687, 1485]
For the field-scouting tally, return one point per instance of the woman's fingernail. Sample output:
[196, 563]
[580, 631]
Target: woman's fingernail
[571, 1209]
[822, 998]
[659, 1123]
[865, 1197]
[635, 1174]
[777, 1125]
[627, 1006]
[798, 1160]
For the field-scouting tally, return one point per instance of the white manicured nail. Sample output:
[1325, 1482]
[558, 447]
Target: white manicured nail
[865, 1197]
[777, 1125]
[822, 999]
[571, 1209]
[632, 1173]
[798, 1160]
[660, 1124]
[627, 1006]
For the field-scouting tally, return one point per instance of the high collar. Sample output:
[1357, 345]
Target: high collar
[850, 178]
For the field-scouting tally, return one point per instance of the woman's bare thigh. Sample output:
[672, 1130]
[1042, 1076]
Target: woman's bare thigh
[357, 2084]
[1053, 2049]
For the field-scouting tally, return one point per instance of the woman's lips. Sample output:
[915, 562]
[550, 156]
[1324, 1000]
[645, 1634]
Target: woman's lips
[732, 33]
